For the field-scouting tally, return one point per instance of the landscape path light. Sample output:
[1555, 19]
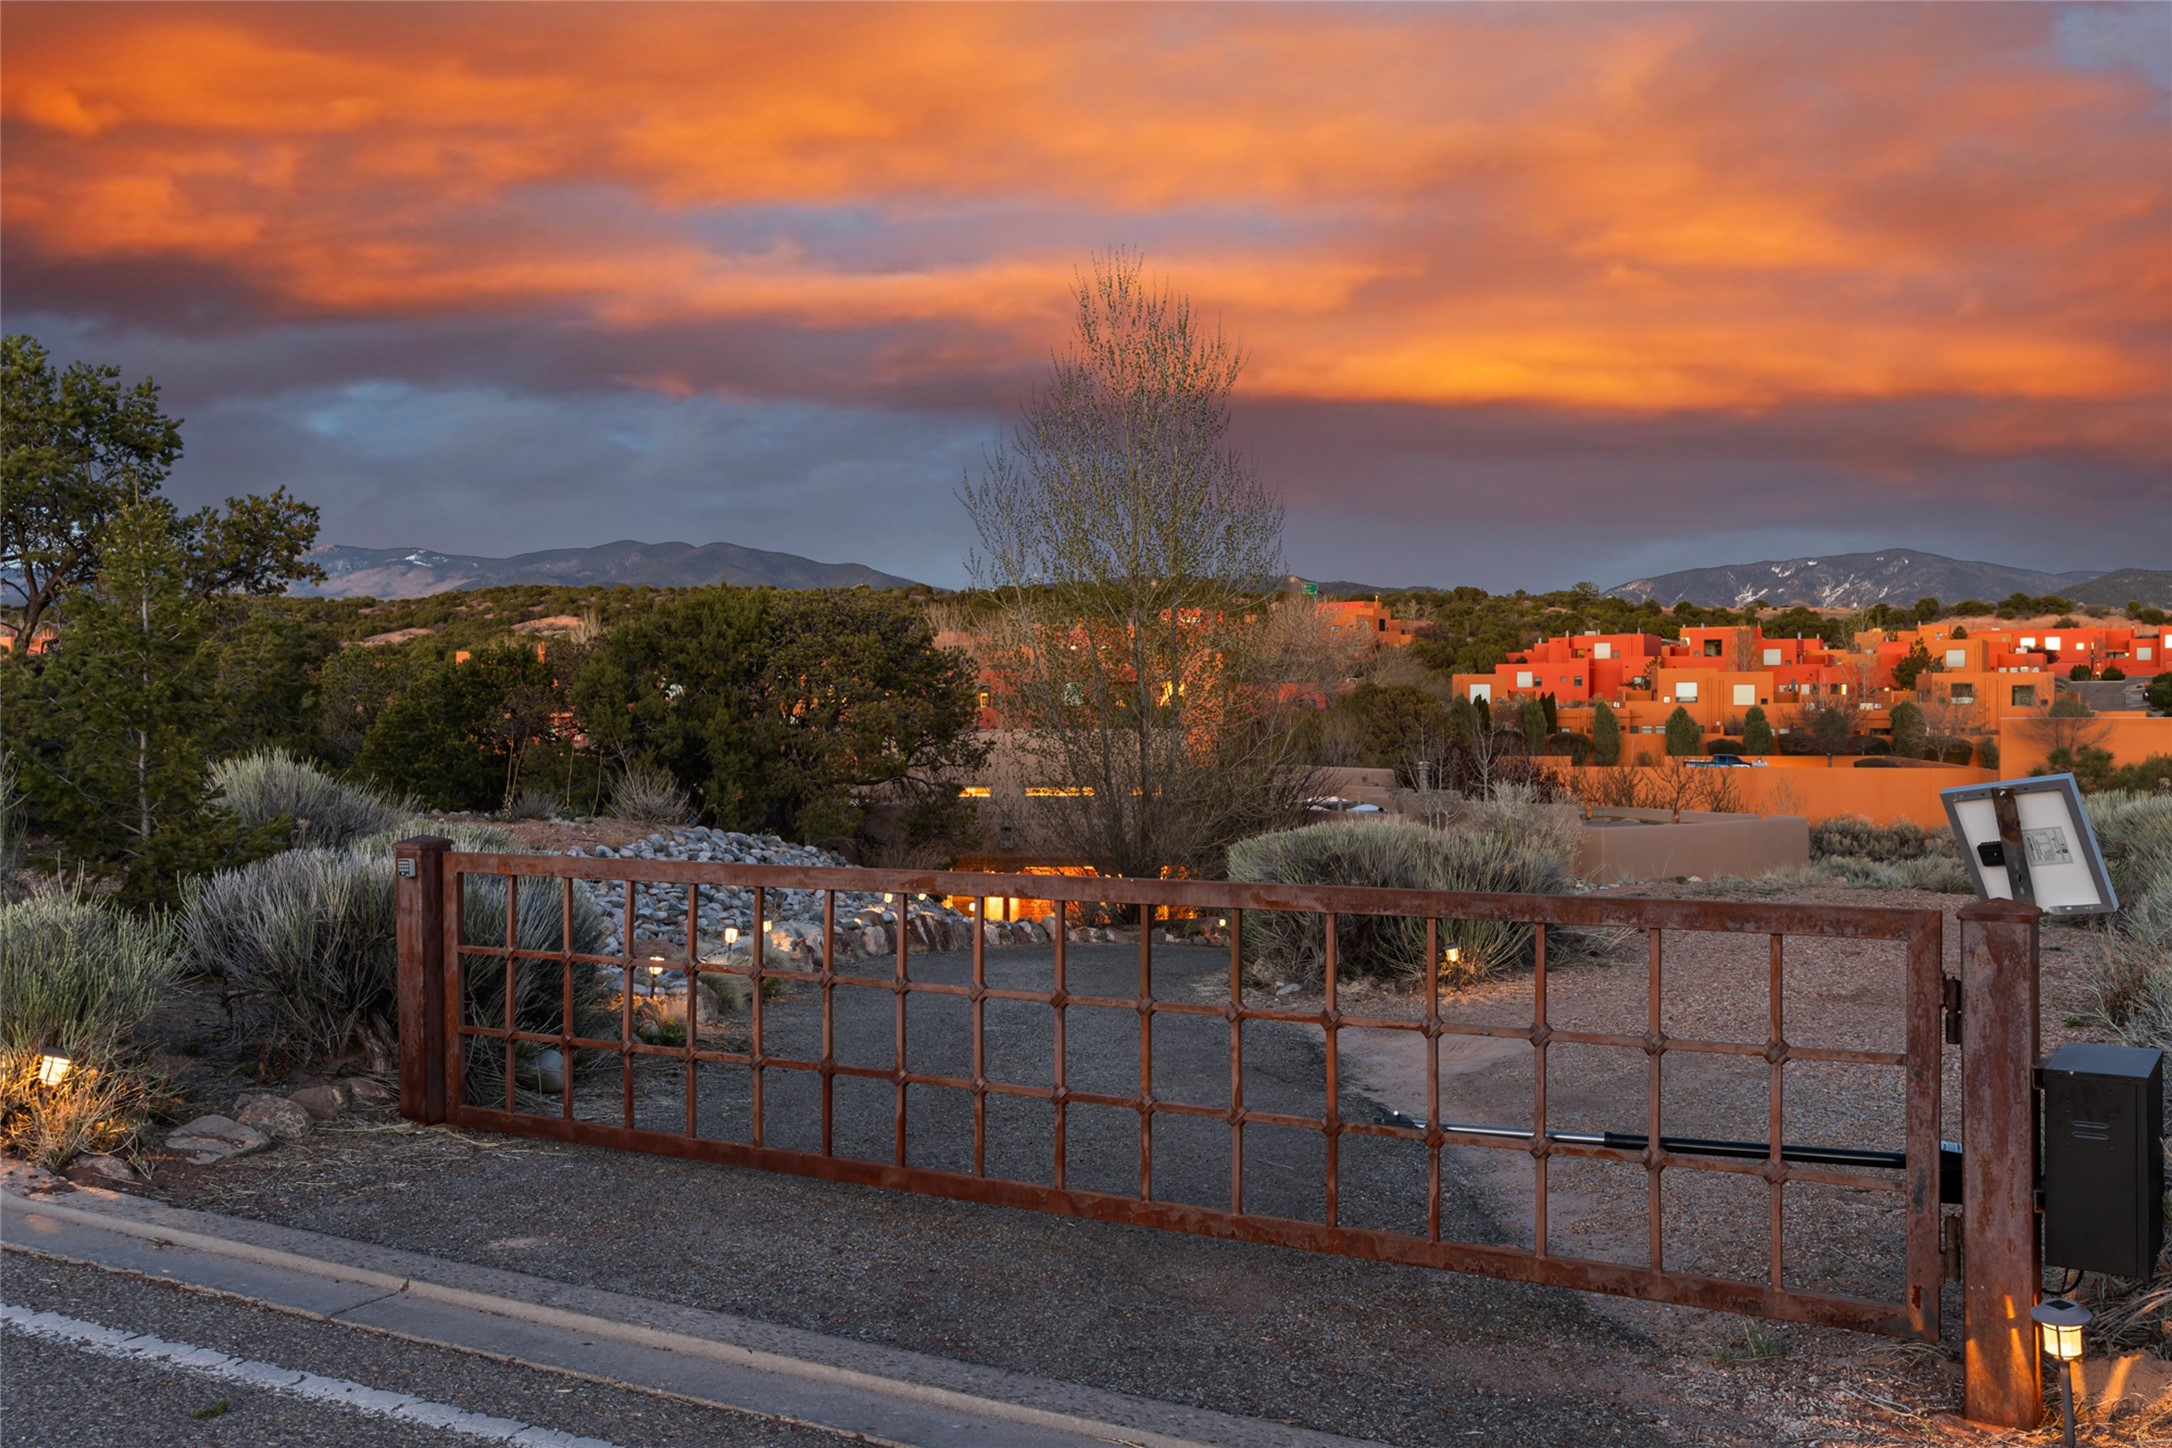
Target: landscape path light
[2059, 1324]
[53, 1066]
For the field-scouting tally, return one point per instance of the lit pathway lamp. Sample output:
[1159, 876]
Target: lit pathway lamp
[2059, 1324]
[54, 1065]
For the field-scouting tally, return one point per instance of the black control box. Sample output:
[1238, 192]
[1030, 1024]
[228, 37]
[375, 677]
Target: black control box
[2104, 1159]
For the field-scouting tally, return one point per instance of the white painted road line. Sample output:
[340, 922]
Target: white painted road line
[244, 1372]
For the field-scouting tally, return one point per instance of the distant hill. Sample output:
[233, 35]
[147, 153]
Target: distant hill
[415, 572]
[1854, 580]
[2150, 586]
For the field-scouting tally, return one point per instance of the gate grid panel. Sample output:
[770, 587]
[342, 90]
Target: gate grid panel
[444, 981]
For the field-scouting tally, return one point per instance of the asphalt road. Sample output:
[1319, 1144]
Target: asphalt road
[61, 1396]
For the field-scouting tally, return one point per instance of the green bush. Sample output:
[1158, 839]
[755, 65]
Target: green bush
[271, 784]
[1479, 855]
[1684, 735]
[304, 943]
[77, 972]
[1605, 734]
[77, 975]
[1756, 732]
[1987, 753]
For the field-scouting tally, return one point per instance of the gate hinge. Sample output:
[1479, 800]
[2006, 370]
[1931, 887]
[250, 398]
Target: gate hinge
[1949, 991]
[1949, 1247]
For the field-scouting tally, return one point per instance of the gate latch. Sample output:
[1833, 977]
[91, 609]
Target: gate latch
[1949, 991]
[1949, 1247]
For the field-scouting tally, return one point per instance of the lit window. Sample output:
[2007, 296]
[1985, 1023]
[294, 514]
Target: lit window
[2028, 646]
[974, 791]
[1602, 651]
[1051, 791]
[2051, 641]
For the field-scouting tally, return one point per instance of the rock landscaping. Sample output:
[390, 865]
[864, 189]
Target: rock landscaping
[792, 919]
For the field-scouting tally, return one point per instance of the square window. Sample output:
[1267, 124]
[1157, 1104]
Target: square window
[1745, 693]
[1957, 658]
[2052, 642]
[1686, 692]
[1962, 693]
[2024, 696]
[1524, 678]
[1772, 657]
[1602, 651]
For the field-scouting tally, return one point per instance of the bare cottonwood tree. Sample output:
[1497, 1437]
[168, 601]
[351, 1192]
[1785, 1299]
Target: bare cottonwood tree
[1133, 552]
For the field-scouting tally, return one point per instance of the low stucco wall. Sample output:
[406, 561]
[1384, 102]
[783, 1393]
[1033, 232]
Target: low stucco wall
[1645, 844]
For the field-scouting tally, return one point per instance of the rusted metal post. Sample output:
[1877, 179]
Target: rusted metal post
[419, 890]
[2001, 1251]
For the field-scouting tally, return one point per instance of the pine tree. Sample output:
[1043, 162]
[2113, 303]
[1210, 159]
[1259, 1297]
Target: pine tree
[1911, 736]
[1534, 726]
[113, 730]
[1684, 736]
[1605, 734]
[1756, 731]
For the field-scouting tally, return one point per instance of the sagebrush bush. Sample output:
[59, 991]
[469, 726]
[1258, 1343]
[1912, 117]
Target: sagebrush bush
[1853, 837]
[644, 794]
[1398, 855]
[305, 944]
[78, 975]
[326, 813]
[535, 804]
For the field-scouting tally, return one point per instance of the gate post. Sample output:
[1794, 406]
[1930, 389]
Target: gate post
[2001, 1249]
[419, 889]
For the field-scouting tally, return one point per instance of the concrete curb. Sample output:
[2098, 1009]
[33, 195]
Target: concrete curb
[887, 1394]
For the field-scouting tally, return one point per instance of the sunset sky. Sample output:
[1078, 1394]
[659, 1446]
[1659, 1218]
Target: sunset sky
[1529, 294]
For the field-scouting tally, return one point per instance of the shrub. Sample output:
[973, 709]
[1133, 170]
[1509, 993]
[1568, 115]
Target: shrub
[1956, 751]
[2081, 673]
[1987, 753]
[1874, 762]
[77, 974]
[1731, 747]
[2112, 673]
[1756, 732]
[648, 795]
[1475, 854]
[270, 784]
[304, 943]
[2144, 775]
[1605, 734]
[535, 804]
[1571, 746]
[1854, 836]
[1684, 736]
[1911, 735]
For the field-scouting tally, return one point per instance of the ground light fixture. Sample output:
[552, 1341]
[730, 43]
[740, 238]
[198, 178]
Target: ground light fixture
[2059, 1324]
[656, 972]
[53, 1066]
[731, 936]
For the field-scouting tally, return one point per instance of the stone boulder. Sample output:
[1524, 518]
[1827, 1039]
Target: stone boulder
[215, 1138]
[274, 1115]
[321, 1102]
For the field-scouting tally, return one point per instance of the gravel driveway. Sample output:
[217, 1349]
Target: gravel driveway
[1400, 1354]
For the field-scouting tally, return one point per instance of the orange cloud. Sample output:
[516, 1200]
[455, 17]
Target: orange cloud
[1608, 208]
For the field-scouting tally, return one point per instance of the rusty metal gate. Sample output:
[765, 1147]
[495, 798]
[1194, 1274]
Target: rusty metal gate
[467, 1058]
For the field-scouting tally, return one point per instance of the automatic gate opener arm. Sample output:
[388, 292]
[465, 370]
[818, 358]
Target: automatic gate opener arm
[1949, 1153]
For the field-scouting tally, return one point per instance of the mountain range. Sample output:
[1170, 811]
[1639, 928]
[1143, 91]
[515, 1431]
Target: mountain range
[414, 572]
[1895, 576]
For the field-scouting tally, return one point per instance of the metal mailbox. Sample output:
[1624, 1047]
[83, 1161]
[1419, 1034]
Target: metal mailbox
[2104, 1159]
